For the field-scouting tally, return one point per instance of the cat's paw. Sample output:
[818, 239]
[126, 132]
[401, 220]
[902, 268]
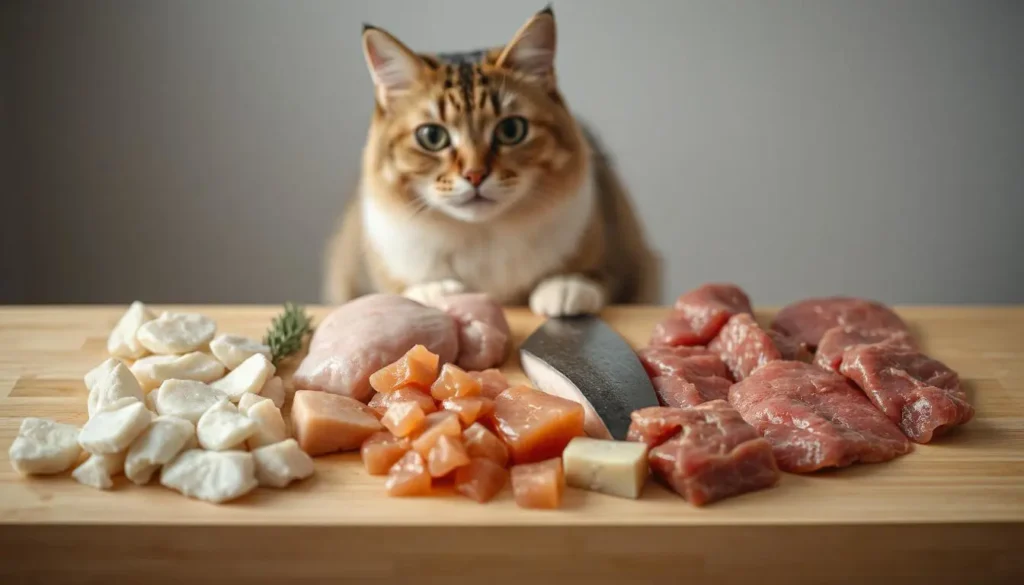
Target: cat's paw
[564, 296]
[430, 293]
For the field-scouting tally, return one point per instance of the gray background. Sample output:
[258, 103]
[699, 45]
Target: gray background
[198, 151]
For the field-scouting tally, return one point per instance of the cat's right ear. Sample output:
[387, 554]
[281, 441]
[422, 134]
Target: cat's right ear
[394, 68]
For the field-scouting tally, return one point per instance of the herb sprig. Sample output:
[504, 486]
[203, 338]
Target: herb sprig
[287, 332]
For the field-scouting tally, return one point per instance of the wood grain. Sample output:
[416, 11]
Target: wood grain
[950, 511]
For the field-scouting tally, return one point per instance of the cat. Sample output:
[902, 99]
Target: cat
[477, 177]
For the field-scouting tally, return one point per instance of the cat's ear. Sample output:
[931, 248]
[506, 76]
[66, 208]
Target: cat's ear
[532, 49]
[394, 68]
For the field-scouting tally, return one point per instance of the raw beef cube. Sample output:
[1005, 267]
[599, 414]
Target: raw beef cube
[484, 335]
[408, 476]
[536, 425]
[416, 369]
[678, 392]
[403, 418]
[814, 418]
[538, 485]
[481, 480]
[705, 453]
[381, 402]
[744, 346]
[809, 319]
[790, 348]
[492, 382]
[437, 425]
[446, 455]
[469, 408]
[454, 381]
[920, 394]
[381, 451]
[685, 376]
[324, 422]
[837, 340]
[699, 314]
[481, 442]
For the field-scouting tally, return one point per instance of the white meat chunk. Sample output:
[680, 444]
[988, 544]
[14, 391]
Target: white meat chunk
[44, 447]
[117, 384]
[122, 341]
[212, 476]
[250, 376]
[274, 390]
[281, 463]
[248, 400]
[232, 350]
[98, 471]
[95, 375]
[176, 333]
[222, 427]
[186, 398]
[159, 444]
[115, 426]
[270, 427]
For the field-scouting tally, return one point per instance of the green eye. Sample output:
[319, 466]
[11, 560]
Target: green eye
[432, 137]
[510, 130]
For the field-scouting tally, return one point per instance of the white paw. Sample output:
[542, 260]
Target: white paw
[430, 293]
[564, 296]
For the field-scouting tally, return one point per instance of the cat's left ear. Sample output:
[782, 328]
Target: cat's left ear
[532, 50]
[395, 69]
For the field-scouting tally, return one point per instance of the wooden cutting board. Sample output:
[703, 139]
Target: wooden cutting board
[951, 512]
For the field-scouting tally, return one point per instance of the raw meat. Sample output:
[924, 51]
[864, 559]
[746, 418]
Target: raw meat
[809, 319]
[483, 331]
[699, 315]
[920, 394]
[403, 418]
[814, 418]
[492, 382]
[381, 402]
[705, 453]
[837, 340]
[679, 393]
[685, 376]
[744, 346]
[408, 476]
[469, 408]
[481, 442]
[446, 455]
[538, 485]
[416, 369]
[437, 425]
[790, 348]
[381, 450]
[536, 425]
[368, 333]
[481, 479]
[324, 422]
[454, 381]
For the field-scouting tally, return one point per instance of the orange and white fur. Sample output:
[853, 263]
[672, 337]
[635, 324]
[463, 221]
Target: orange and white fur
[477, 177]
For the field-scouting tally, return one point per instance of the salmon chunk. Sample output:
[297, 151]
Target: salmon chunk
[480, 442]
[436, 425]
[536, 425]
[408, 476]
[381, 402]
[381, 451]
[481, 479]
[492, 382]
[325, 422]
[469, 408]
[446, 455]
[454, 381]
[403, 418]
[538, 485]
[416, 369]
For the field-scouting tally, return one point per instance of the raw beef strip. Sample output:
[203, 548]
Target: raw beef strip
[685, 376]
[699, 314]
[368, 333]
[744, 346]
[814, 418]
[790, 348]
[920, 394]
[837, 340]
[483, 330]
[809, 319]
[705, 453]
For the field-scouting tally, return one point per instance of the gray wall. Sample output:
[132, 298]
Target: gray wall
[869, 147]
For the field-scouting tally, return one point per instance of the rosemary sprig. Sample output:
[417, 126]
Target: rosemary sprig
[287, 332]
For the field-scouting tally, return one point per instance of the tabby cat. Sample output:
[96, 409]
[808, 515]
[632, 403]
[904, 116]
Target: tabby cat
[477, 177]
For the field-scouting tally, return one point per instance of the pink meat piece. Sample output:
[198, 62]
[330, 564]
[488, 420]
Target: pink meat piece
[685, 376]
[698, 315]
[809, 319]
[366, 334]
[483, 330]
[744, 346]
[492, 382]
[790, 348]
[704, 453]
[920, 394]
[814, 418]
[838, 339]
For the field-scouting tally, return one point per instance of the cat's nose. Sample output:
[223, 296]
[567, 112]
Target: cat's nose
[475, 176]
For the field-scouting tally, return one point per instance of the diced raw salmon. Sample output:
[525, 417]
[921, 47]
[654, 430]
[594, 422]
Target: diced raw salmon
[436, 425]
[416, 369]
[536, 425]
[403, 418]
[481, 480]
[325, 422]
[492, 382]
[538, 485]
[380, 402]
[454, 381]
[480, 442]
[408, 476]
[469, 408]
[381, 451]
[447, 454]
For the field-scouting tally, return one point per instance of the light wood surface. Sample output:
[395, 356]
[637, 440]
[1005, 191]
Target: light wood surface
[958, 502]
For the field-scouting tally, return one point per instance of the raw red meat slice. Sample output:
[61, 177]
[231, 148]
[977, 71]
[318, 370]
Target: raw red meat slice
[536, 425]
[492, 382]
[699, 314]
[837, 340]
[685, 376]
[744, 346]
[809, 319]
[705, 453]
[814, 418]
[677, 392]
[790, 348]
[920, 394]
[481, 480]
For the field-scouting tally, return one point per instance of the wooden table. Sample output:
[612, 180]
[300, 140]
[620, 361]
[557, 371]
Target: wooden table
[951, 512]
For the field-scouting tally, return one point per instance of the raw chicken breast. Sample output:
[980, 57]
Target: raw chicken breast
[536, 425]
[408, 476]
[381, 402]
[454, 381]
[447, 454]
[492, 382]
[416, 369]
[437, 425]
[469, 408]
[481, 479]
[324, 423]
[483, 331]
[480, 442]
[382, 450]
[368, 333]
[538, 485]
[403, 418]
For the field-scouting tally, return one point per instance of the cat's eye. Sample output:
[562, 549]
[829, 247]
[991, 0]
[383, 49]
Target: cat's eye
[510, 131]
[432, 137]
